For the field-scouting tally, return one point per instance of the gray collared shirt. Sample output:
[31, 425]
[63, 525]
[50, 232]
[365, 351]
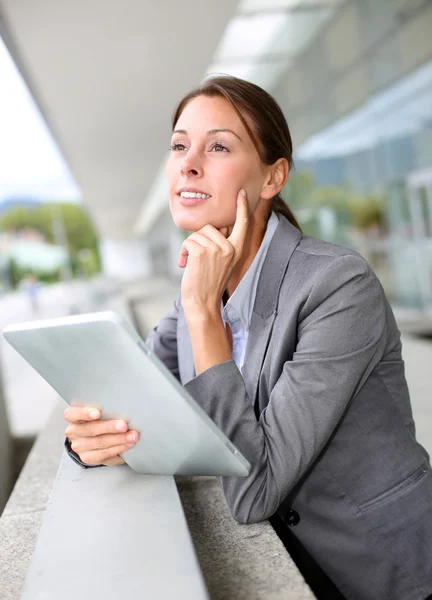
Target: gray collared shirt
[237, 312]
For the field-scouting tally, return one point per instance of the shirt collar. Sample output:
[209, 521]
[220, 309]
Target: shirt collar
[240, 304]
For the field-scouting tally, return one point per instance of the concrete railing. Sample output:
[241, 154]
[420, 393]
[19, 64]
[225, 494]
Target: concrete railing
[108, 533]
[5, 452]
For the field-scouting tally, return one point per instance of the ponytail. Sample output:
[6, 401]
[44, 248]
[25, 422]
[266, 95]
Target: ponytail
[279, 206]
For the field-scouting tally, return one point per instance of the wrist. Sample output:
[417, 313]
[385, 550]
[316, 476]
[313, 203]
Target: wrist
[199, 315]
[209, 340]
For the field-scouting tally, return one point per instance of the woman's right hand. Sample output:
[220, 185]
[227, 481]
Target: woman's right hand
[95, 441]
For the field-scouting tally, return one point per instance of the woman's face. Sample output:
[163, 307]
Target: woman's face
[212, 155]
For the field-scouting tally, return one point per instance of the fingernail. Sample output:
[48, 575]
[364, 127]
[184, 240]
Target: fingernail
[243, 192]
[132, 436]
[94, 414]
[130, 445]
[120, 425]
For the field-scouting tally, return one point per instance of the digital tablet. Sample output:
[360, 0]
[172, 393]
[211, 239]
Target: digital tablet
[99, 360]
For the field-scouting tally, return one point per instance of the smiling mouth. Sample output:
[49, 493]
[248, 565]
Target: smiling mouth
[198, 195]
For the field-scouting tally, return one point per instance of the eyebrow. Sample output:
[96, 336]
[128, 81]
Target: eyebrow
[211, 132]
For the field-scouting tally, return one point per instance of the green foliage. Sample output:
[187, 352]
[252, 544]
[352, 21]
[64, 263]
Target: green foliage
[299, 189]
[351, 209]
[19, 218]
[17, 274]
[79, 230]
[88, 262]
[368, 213]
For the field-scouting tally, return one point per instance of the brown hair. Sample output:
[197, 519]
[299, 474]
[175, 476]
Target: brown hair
[271, 136]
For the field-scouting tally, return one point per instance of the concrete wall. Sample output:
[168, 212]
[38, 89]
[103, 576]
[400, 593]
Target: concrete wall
[125, 259]
[154, 255]
[164, 241]
[5, 452]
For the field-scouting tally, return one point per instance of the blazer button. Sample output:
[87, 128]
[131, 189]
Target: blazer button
[292, 518]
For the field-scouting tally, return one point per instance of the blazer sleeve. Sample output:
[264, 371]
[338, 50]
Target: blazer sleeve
[163, 339]
[341, 338]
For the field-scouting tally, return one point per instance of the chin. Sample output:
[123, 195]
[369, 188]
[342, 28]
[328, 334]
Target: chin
[193, 220]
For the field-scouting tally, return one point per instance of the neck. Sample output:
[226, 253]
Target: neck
[254, 237]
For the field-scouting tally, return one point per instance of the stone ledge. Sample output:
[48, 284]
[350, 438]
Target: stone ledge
[22, 518]
[122, 533]
[242, 562]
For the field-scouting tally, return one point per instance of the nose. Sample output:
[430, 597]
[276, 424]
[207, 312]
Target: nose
[192, 165]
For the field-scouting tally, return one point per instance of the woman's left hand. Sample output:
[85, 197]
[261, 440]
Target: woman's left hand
[209, 258]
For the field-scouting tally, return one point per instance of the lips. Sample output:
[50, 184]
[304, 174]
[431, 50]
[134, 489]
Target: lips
[191, 190]
[192, 196]
[195, 201]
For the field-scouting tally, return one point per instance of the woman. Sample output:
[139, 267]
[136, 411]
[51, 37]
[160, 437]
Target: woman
[290, 346]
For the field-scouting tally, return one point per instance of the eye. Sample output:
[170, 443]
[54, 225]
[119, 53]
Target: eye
[177, 147]
[217, 147]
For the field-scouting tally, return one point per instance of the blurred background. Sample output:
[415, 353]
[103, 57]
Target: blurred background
[86, 93]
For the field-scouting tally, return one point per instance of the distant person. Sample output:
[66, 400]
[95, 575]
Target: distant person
[31, 286]
[296, 358]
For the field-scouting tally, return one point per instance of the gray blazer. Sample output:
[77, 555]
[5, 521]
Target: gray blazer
[323, 414]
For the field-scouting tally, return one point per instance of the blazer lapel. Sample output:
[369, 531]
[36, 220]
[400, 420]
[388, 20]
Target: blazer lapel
[283, 244]
[259, 334]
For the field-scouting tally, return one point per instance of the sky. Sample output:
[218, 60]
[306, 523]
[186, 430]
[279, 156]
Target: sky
[30, 162]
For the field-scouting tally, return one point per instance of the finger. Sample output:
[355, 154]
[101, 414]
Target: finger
[219, 240]
[207, 238]
[100, 442]
[73, 414]
[113, 462]
[239, 231]
[97, 457]
[188, 248]
[99, 427]
[213, 234]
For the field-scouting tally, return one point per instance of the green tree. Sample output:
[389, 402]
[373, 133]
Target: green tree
[14, 273]
[80, 232]
[352, 209]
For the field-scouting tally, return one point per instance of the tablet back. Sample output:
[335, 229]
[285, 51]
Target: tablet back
[99, 360]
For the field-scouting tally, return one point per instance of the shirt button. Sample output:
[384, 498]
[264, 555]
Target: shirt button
[292, 518]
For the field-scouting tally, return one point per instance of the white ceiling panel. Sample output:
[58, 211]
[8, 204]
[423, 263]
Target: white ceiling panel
[249, 36]
[253, 6]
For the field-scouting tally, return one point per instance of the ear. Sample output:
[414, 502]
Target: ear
[276, 178]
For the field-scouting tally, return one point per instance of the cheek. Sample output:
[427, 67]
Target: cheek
[169, 172]
[240, 175]
[252, 181]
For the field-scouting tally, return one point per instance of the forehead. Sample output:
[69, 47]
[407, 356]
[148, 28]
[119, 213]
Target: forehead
[204, 113]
